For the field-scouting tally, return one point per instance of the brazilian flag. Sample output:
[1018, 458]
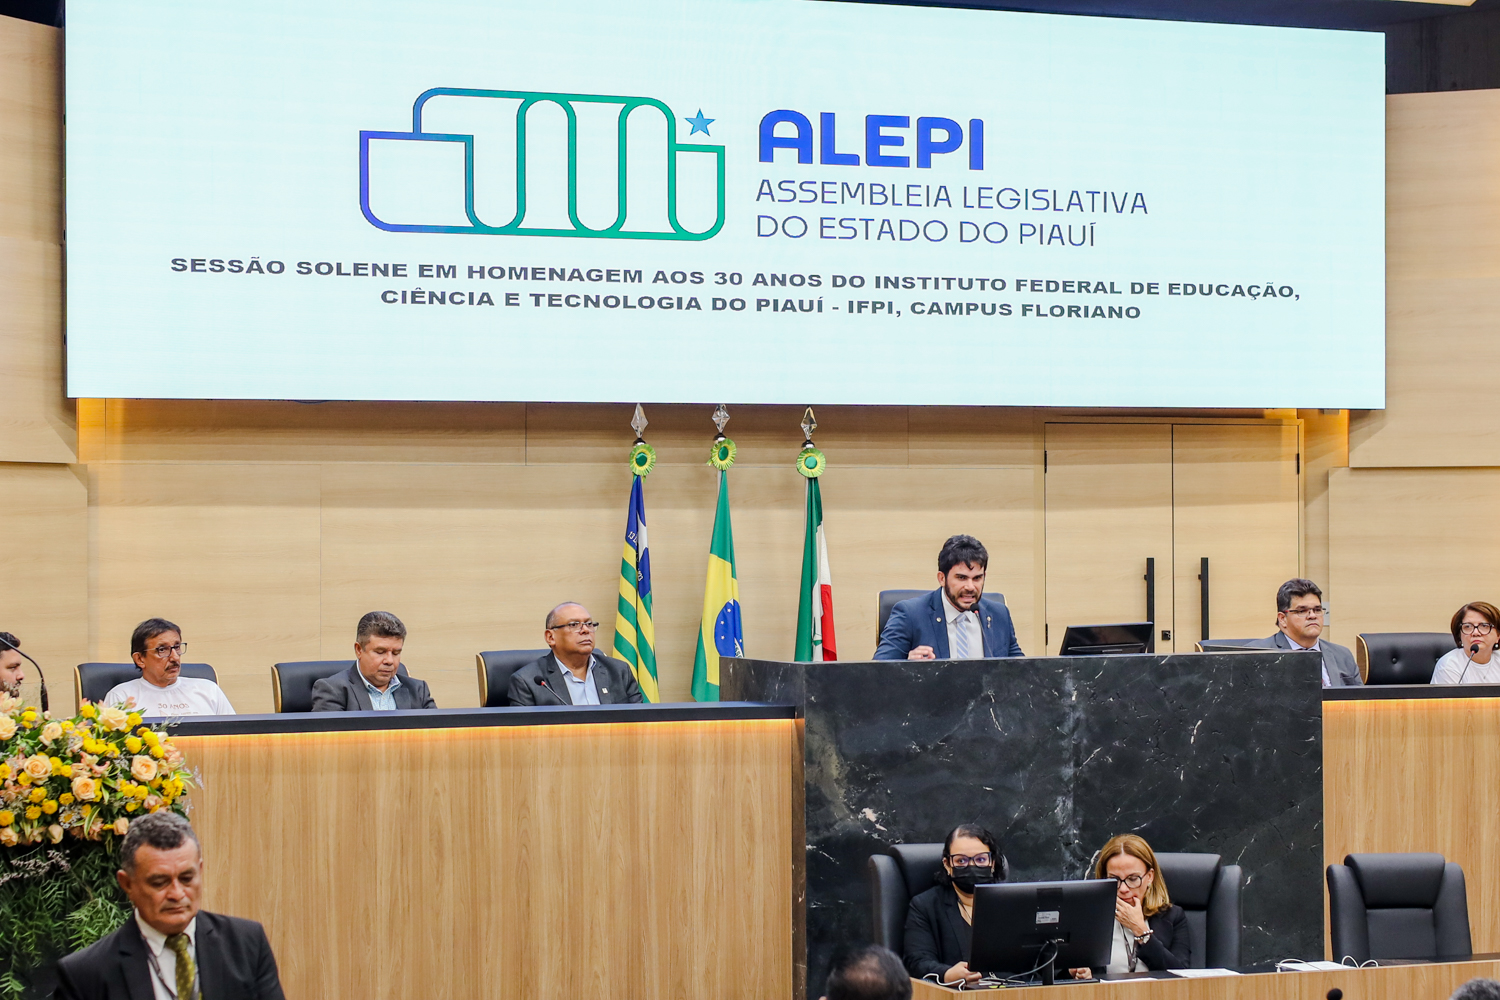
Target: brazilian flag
[720, 632]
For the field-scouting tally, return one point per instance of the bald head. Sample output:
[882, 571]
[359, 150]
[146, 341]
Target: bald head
[565, 612]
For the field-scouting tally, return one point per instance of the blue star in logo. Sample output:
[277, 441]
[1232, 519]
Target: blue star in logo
[700, 124]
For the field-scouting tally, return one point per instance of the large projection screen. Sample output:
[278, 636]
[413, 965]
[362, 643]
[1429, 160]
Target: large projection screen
[755, 201]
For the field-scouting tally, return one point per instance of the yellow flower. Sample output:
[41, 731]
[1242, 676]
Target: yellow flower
[66, 798]
[52, 732]
[49, 807]
[33, 812]
[133, 744]
[150, 736]
[88, 711]
[7, 817]
[114, 718]
[37, 795]
[135, 719]
[29, 715]
[4, 771]
[7, 727]
[67, 725]
[131, 807]
[158, 752]
[85, 789]
[39, 767]
[23, 779]
[143, 768]
[140, 791]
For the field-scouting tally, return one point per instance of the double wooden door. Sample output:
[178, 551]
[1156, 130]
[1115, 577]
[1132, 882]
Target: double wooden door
[1176, 494]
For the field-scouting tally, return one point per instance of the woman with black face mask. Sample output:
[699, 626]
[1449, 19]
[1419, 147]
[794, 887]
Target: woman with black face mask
[939, 923]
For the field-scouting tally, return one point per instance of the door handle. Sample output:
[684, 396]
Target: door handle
[1151, 602]
[1203, 596]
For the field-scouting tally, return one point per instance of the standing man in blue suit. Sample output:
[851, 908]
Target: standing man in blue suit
[956, 621]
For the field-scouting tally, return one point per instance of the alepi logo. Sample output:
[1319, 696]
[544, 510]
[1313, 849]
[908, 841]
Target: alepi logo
[529, 163]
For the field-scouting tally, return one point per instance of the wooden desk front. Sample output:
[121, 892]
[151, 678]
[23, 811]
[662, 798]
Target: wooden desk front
[626, 859]
[1397, 982]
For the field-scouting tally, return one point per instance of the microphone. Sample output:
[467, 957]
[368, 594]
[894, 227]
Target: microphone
[1473, 652]
[39, 675]
[542, 683]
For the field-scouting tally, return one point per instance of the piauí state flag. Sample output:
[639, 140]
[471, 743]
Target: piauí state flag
[815, 606]
[635, 635]
[719, 632]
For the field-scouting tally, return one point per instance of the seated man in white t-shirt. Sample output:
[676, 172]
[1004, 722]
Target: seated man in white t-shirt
[161, 691]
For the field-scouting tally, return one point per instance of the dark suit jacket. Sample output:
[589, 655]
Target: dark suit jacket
[937, 935]
[612, 677]
[1171, 945]
[345, 692]
[1343, 671]
[923, 621]
[234, 963]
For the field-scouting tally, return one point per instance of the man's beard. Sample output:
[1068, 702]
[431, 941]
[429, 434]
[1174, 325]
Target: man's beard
[14, 690]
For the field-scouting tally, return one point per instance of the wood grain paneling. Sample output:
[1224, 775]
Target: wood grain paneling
[44, 562]
[630, 861]
[1420, 775]
[1408, 547]
[1413, 982]
[30, 131]
[1443, 284]
[228, 552]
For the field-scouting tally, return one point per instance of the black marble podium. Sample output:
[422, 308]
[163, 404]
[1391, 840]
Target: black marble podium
[1195, 752]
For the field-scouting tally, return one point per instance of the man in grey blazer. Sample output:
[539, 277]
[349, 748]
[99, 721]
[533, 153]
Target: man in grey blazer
[375, 682]
[1299, 619]
[574, 672]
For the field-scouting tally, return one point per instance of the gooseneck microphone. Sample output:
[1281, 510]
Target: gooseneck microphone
[1473, 652]
[39, 675]
[542, 683]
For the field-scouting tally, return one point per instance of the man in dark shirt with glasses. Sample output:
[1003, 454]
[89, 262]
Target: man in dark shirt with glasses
[574, 672]
[1299, 617]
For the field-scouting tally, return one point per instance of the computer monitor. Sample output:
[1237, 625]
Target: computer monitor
[1105, 640]
[1015, 921]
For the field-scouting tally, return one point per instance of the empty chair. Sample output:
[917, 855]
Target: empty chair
[895, 878]
[888, 600]
[292, 683]
[1398, 906]
[92, 681]
[1209, 893]
[495, 669]
[1400, 657]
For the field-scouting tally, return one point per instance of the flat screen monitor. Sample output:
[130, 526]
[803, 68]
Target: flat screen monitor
[1015, 921]
[1106, 640]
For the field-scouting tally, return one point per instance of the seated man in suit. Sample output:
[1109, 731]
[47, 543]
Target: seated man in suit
[374, 683]
[574, 673]
[170, 948]
[956, 621]
[161, 691]
[1299, 620]
[12, 667]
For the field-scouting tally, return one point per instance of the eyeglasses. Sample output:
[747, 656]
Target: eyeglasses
[578, 626]
[1134, 881]
[1305, 612]
[165, 651]
[1479, 628]
[964, 861]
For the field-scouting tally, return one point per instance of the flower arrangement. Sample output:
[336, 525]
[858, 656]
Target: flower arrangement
[68, 790]
[82, 777]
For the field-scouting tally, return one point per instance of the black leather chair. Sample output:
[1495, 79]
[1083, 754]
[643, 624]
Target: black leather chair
[1209, 892]
[1398, 906]
[895, 878]
[495, 669]
[888, 600]
[1400, 657]
[1220, 646]
[92, 681]
[292, 683]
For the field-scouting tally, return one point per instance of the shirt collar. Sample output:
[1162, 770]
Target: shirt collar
[568, 674]
[951, 611]
[157, 941]
[389, 688]
[1294, 644]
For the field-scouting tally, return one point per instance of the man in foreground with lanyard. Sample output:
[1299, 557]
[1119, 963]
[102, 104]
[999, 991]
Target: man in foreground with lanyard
[170, 950]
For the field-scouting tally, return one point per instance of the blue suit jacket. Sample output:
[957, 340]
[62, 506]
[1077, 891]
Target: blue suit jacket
[921, 621]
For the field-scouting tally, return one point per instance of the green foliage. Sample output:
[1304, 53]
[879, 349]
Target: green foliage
[54, 899]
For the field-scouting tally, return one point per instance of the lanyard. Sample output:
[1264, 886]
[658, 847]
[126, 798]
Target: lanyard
[196, 992]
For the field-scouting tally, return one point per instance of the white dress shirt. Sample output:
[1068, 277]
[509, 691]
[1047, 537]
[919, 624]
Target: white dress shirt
[969, 622]
[164, 970]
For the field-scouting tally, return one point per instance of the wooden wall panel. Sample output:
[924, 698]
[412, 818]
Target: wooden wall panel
[1443, 277]
[228, 552]
[44, 562]
[1419, 776]
[1410, 546]
[541, 862]
[30, 131]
